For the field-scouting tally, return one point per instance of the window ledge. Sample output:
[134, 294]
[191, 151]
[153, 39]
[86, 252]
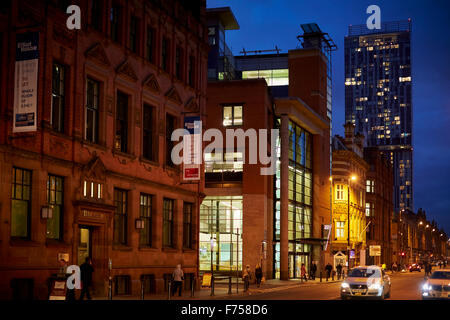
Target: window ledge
[24, 243]
[56, 243]
[119, 247]
[149, 249]
[123, 154]
[88, 143]
[147, 161]
[189, 250]
[167, 249]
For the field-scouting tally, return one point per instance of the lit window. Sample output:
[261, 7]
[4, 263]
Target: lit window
[232, 115]
[339, 192]
[340, 229]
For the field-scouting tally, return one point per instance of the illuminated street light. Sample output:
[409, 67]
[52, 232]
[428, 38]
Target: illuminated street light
[354, 177]
[428, 225]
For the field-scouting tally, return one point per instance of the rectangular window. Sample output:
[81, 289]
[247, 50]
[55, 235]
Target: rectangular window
[146, 216]
[165, 49]
[340, 229]
[179, 63]
[92, 110]
[55, 195]
[21, 203]
[96, 15]
[170, 127]
[120, 216]
[148, 150]
[370, 186]
[168, 223]
[191, 72]
[134, 34]
[122, 285]
[232, 116]
[122, 123]
[369, 209]
[340, 192]
[150, 44]
[187, 225]
[58, 97]
[114, 19]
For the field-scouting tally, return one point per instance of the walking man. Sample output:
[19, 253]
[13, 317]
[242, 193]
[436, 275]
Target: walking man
[328, 268]
[339, 270]
[86, 278]
[303, 272]
[313, 271]
[178, 277]
[258, 274]
[246, 275]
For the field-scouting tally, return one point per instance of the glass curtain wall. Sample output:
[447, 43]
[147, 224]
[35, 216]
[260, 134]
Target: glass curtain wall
[300, 200]
[220, 233]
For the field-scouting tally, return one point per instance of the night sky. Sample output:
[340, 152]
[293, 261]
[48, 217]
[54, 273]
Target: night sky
[265, 24]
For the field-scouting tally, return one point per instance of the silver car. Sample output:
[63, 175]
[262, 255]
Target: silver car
[366, 282]
[437, 286]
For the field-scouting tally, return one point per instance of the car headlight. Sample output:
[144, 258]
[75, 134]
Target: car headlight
[374, 286]
[344, 285]
[426, 287]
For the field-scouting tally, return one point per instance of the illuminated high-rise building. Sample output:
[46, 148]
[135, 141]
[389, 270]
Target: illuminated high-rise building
[378, 97]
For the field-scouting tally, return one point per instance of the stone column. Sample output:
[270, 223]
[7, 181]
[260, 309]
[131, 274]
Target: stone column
[284, 194]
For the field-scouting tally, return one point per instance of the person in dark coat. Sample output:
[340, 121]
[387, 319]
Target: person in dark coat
[313, 271]
[86, 270]
[339, 270]
[328, 268]
[258, 274]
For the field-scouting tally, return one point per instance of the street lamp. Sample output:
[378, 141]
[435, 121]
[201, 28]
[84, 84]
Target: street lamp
[351, 178]
[213, 242]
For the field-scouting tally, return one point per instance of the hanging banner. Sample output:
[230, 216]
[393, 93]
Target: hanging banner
[192, 148]
[25, 82]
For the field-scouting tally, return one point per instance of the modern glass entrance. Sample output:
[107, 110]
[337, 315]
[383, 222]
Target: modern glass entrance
[84, 244]
[295, 263]
[220, 234]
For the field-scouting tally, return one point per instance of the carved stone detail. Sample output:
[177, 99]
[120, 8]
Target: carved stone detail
[127, 70]
[173, 95]
[152, 83]
[97, 53]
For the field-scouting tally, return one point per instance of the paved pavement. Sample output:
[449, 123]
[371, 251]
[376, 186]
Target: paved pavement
[405, 286]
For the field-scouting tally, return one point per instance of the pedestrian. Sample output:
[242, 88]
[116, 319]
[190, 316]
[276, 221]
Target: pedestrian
[328, 268]
[258, 274]
[440, 264]
[246, 276]
[394, 267]
[86, 270]
[303, 272]
[177, 278]
[339, 270]
[313, 271]
[445, 264]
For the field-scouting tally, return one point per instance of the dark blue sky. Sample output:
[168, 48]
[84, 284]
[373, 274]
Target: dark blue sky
[266, 23]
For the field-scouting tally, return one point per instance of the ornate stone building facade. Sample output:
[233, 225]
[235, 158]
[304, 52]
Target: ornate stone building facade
[108, 98]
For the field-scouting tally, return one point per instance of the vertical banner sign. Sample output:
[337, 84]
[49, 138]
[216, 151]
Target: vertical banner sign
[25, 82]
[192, 148]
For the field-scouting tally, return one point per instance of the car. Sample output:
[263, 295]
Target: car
[415, 267]
[437, 286]
[366, 282]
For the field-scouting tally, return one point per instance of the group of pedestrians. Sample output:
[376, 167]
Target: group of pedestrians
[247, 276]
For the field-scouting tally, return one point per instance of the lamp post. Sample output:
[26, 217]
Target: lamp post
[353, 177]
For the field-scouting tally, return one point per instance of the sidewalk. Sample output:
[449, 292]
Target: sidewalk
[221, 290]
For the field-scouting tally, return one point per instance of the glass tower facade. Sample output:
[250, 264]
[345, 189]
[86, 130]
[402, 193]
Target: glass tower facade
[378, 97]
[300, 201]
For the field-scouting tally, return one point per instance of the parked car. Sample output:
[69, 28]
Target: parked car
[366, 282]
[437, 286]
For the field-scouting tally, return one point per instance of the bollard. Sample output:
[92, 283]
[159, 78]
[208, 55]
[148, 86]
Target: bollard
[192, 286]
[110, 288]
[212, 285]
[229, 285]
[320, 276]
[169, 290]
[142, 289]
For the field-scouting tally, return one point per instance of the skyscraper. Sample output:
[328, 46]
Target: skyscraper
[378, 97]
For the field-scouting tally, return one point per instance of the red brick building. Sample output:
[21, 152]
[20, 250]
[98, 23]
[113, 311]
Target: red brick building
[379, 205]
[108, 98]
